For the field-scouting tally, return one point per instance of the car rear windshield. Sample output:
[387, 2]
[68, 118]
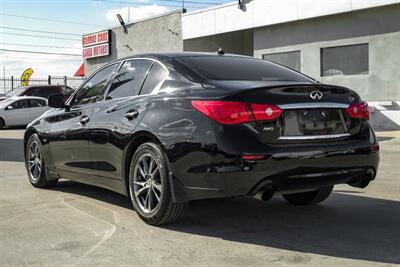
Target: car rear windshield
[16, 92]
[241, 68]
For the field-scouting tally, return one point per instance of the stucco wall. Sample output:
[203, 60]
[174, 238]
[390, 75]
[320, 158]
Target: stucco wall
[379, 27]
[147, 36]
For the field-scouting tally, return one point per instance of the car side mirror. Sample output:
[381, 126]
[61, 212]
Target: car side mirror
[9, 108]
[56, 101]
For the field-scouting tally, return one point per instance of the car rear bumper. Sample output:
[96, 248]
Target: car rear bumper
[207, 174]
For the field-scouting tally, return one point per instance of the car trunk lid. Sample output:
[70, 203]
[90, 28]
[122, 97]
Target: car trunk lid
[310, 111]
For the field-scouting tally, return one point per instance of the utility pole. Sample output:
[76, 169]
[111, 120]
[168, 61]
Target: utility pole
[129, 15]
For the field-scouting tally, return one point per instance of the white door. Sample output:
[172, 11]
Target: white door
[36, 108]
[16, 113]
[22, 112]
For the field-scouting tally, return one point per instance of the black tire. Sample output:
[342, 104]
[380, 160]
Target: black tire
[37, 179]
[2, 124]
[309, 198]
[165, 210]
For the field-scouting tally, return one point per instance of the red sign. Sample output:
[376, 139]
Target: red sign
[95, 38]
[96, 51]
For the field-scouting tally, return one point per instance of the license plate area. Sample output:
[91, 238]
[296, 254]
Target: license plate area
[312, 122]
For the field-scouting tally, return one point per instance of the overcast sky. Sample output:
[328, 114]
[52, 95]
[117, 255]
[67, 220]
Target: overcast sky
[100, 14]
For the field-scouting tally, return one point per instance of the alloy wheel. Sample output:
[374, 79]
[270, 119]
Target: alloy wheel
[35, 161]
[147, 183]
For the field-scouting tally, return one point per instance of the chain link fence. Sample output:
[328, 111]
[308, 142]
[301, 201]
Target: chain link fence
[8, 84]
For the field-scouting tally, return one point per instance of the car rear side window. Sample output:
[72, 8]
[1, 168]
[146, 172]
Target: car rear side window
[94, 88]
[20, 104]
[45, 91]
[156, 75]
[51, 91]
[36, 103]
[129, 79]
[32, 91]
[67, 90]
[241, 68]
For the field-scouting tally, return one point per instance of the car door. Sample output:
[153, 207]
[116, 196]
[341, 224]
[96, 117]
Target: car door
[17, 113]
[69, 136]
[115, 119]
[36, 108]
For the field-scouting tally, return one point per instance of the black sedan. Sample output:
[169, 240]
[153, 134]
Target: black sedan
[165, 129]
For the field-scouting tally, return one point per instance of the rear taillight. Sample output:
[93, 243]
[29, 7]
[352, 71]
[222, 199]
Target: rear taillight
[358, 110]
[265, 112]
[228, 112]
[224, 112]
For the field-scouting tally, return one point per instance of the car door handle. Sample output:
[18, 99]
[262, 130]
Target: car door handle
[84, 119]
[131, 114]
[112, 109]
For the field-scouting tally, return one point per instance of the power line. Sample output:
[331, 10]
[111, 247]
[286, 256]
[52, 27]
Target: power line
[39, 36]
[169, 1]
[31, 30]
[141, 3]
[53, 20]
[39, 52]
[131, 3]
[190, 2]
[46, 46]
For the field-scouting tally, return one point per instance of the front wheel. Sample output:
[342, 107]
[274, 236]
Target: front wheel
[309, 198]
[35, 164]
[149, 187]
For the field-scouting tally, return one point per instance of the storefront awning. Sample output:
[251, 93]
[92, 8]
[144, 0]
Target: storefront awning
[81, 71]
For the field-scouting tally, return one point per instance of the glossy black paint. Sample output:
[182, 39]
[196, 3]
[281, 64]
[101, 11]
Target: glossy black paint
[94, 143]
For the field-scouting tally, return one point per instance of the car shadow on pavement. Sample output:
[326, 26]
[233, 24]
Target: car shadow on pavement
[345, 226]
[93, 192]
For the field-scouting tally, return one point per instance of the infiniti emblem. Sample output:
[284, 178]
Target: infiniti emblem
[316, 95]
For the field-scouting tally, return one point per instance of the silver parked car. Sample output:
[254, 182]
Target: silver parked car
[19, 111]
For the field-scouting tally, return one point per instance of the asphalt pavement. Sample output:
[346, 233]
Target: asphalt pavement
[80, 225]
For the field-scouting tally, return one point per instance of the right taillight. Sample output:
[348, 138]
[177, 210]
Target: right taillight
[230, 113]
[358, 110]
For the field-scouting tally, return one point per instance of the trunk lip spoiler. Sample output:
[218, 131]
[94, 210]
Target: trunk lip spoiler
[314, 137]
[308, 105]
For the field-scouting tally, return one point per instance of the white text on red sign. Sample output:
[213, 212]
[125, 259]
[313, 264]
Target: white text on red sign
[96, 51]
[95, 38]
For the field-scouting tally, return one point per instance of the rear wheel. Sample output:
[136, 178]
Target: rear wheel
[309, 198]
[35, 164]
[149, 187]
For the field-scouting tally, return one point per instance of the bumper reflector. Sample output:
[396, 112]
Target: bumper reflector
[253, 157]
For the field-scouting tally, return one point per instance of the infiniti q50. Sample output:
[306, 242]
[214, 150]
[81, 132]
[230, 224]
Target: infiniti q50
[165, 129]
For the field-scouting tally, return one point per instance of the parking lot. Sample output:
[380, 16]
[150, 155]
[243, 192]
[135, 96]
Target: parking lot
[75, 224]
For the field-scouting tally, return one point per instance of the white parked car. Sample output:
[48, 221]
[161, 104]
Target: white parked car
[19, 111]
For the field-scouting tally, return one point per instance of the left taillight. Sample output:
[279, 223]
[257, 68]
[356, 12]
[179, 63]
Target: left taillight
[230, 113]
[358, 110]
